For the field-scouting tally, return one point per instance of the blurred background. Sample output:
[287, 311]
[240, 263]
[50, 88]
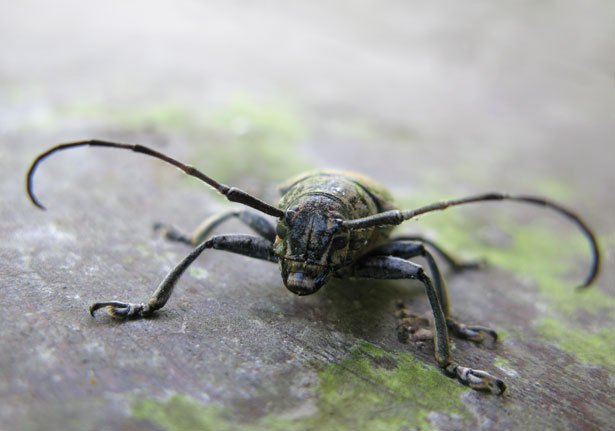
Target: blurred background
[449, 89]
[432, 99]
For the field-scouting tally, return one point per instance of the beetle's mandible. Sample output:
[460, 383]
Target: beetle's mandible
[330, 224]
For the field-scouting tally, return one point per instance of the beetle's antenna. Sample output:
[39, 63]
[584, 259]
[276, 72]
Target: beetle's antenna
[396, 217]
[233, 194]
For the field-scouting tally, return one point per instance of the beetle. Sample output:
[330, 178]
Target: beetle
[330, 224]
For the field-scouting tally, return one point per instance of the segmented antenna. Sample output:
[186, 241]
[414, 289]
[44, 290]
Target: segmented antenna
[233, 194]
[396, 217]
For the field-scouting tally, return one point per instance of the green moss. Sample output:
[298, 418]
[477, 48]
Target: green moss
[539, 253]
[592, 347]
[503, 335]
[180, 413]
[504, 365]
[376, 390]
[198, 273]
[501, 362]
[370, 390]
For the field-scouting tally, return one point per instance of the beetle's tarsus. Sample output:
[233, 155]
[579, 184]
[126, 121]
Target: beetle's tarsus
[120, 310]
[476, 379]
[475, 334]
[470, 265]
[171, 233]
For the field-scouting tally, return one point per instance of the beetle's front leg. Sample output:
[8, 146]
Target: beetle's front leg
[388, 267]
[248, 245]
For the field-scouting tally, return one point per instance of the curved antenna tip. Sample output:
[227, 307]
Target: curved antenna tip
[29, 190]
[39, 206]
[35, 200]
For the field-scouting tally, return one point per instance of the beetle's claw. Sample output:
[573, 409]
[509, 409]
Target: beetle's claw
[120, 310]
[476, 379]
[475, 334]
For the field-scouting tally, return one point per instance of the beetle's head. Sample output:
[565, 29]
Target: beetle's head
[311, 243]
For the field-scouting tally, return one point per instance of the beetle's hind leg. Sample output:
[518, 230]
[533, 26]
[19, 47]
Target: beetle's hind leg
[248, 245]
[172, 233]
[255, 221]
[391, 267]
[407, 249]
[456, 264]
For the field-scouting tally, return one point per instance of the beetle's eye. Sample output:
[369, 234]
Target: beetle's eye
[281, 230]
[339, 242]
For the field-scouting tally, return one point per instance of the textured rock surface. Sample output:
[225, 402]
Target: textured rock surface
[433, 102]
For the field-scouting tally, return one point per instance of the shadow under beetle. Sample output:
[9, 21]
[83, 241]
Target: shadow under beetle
[330, 224]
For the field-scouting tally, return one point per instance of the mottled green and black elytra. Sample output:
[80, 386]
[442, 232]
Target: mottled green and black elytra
[330, 224]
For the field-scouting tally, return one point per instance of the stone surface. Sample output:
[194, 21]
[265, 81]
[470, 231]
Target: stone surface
[434, 101]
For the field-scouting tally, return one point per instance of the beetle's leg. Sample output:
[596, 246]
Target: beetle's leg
[408, 250]
[257, 222]
[475, 333]
[457, 265]
[389, 267]
[248, 245]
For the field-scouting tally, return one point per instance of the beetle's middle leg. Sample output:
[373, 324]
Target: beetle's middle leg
[409, 249]
[248, 245]
[456, 264]
[255, 221]
[390, 267]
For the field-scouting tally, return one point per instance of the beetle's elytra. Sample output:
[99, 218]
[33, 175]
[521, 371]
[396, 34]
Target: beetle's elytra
[330, 224]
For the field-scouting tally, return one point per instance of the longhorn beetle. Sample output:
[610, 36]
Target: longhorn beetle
[330, 224]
